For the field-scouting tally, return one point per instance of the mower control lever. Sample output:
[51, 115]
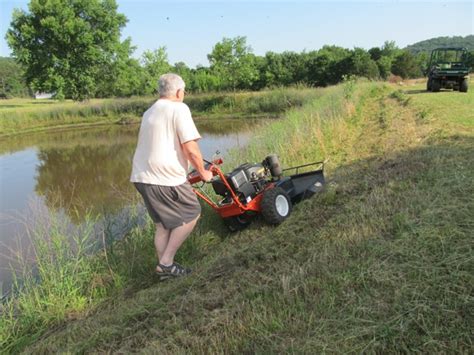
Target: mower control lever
[193, 176]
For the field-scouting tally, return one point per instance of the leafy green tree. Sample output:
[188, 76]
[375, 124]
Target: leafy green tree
[297, 67]
[470, 60]
[185, 72]
[204, 81]
[360, 64]
[406, 65]
[155, 63]
[232, 62]
[273, 72]
[124, 76]
[337, 68]
[318, 69]
[328, 65]
[375, 53]
[384, 65]
[384, 57]
[63, 43]
[422, 59]
[390, 49]
[12, 83]
[260, 65]
[197, 80]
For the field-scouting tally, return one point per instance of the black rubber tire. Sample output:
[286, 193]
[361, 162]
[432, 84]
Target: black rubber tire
[435, 86]
[270, 212]
[237, 223]
[464, 86]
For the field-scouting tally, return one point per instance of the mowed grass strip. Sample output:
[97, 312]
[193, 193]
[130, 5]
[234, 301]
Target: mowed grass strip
[451, 107]
[380, 262]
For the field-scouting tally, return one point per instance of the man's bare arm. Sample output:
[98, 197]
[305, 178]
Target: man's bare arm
[193, 154]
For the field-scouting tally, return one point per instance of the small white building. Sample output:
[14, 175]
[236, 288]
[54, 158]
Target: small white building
[43, 95]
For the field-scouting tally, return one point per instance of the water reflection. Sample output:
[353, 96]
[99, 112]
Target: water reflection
[86, 178]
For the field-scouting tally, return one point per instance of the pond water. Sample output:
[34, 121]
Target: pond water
[77, 172]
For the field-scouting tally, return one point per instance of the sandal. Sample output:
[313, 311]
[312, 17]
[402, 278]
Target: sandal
[172, 270]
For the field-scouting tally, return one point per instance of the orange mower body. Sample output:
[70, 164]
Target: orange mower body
[258, 189]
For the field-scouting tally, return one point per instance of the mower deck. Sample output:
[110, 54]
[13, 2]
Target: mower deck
[304, 185]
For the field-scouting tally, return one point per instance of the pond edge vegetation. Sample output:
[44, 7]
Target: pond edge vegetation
[26, 116]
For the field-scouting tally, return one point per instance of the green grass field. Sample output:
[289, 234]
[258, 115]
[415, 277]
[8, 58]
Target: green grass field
[18, 116]
[452, 107]
[380, 262]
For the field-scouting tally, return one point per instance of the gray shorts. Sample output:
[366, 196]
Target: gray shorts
[172, 206]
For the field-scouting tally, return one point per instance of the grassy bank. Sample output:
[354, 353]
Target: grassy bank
[20, 115]
[379, 262]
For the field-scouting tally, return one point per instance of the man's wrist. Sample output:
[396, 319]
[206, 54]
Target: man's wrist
[199, 168]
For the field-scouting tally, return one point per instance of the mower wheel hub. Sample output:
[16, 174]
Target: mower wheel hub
[282, 205]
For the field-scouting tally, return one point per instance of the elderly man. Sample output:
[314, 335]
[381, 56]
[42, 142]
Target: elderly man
[167, 142]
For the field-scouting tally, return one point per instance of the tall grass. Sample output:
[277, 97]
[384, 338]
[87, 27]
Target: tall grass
[29, 117]
[26, 116]
[68, 270]
[317, 131]
[265, 102]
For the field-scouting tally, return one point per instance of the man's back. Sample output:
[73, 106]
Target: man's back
[159, 158]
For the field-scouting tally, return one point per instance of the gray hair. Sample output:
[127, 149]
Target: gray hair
[169, 83]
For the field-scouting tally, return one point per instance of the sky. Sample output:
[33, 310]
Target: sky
[190, 29]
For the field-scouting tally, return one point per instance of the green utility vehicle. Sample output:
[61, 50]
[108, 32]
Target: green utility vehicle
[448, 69]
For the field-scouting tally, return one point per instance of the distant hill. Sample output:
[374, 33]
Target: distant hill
[430, 44]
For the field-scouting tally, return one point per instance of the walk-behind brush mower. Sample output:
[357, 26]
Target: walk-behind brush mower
[259, 188]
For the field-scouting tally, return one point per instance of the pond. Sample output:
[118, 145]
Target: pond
[74, 173]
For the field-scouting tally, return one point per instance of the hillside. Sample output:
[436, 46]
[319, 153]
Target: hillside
[430, 44]
[379, 262]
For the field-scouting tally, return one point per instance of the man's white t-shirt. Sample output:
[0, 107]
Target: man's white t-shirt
[159, 158]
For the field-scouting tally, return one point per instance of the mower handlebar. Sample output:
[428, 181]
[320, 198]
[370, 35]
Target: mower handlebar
[194, 177]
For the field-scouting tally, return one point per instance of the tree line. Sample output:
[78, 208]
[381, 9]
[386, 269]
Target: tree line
[430, 44]
[72, 48]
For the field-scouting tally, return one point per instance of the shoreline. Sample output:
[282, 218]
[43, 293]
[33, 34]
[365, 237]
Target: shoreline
[31, 116]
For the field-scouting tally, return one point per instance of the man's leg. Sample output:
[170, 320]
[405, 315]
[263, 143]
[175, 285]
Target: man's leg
[162, 236]
[177, 237]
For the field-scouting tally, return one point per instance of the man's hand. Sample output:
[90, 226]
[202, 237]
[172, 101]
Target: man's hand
[206, 175]
[193, 153]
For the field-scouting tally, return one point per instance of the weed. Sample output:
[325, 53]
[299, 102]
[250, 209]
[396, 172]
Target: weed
[422, 114]
[349, 82]
[400, 96]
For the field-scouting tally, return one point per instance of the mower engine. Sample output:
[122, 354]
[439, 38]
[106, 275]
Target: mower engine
[248, 179]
